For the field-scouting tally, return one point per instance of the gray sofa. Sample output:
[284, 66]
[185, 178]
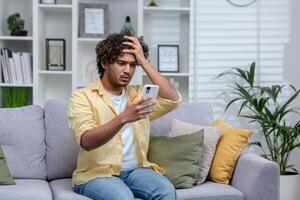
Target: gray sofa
[41, 155]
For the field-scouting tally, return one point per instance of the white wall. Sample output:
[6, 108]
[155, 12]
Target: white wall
[292, 64]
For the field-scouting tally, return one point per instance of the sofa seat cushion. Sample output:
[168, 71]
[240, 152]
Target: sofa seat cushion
[210, 191]
[62, 190]
[26, 189]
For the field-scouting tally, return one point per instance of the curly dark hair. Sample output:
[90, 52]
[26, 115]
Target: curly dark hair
[109, 49]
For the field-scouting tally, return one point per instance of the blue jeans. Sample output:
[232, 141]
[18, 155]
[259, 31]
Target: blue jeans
[140, 183]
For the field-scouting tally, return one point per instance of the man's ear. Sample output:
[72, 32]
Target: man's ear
[104, 65]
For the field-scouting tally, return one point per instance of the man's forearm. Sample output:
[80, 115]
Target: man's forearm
[98, 136]
[166, 90]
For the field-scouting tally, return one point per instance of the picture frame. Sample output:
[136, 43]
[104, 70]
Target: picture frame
[168, 58]
[55, 54]
[93, 20]
[48, 1]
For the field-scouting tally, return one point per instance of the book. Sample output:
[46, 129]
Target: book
[1, 74]
[12, 67]
[27, 67]
[4, 66]
[17, 61]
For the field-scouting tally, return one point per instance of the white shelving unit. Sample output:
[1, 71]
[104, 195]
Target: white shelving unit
[15, 85]
[4, 37]
[168, 24]
[53, 21]
[61, 20]
[56, 7]
[54, 72]
[17, 44]
[184, 10]
[89, 39]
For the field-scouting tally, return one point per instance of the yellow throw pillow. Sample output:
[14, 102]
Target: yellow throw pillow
[229, 148]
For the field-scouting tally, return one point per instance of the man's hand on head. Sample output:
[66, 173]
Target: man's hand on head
[137, 49]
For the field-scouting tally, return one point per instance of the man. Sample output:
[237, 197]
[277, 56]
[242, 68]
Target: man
[111, 121]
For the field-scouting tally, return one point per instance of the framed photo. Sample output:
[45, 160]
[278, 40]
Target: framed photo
[48, 1]
[93, 20]
[168, 58]
[55, 54]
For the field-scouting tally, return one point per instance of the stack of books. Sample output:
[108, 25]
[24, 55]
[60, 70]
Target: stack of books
[15, 67]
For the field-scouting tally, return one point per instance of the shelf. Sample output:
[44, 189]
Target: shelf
[172, 74]
[16, 38]
[89, 39]
[56, 7]
[81, 86]
[15, 85]
[183, 10]
[54, 72]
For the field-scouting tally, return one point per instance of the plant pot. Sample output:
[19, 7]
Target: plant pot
[19, 33]
[289, 186]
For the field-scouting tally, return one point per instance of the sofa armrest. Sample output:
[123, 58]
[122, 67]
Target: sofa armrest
[256, 177]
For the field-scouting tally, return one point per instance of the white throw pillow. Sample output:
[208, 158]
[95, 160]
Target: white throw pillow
[211, 137]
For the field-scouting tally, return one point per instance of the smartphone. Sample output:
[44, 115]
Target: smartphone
[151, 90]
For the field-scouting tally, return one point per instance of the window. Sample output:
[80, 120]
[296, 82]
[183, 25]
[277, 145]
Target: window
[225, 36]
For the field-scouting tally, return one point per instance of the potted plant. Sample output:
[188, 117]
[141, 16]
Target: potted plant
[16, 25]
[261, 105]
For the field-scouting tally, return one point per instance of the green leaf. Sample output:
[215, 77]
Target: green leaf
[252, 74]
[231, 102]
[242, 73]
[255, 144]
[292, 168]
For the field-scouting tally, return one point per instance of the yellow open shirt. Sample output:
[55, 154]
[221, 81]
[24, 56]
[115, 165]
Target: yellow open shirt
[91, 107]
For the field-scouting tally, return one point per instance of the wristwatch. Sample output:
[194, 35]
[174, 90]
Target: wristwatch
[241, 3]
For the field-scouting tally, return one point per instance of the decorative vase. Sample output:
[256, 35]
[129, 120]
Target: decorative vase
[127, 28]
[289, 186]
[152, 3]
[19, 32]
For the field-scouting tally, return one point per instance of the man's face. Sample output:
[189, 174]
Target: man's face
[121, 71]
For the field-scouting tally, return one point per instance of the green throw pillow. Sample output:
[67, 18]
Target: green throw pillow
[5, 178]
[180, 156]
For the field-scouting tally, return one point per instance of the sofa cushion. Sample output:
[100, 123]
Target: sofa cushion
[61, 149]
[62, 190]
[26, 189]
[210, 191]
[201, 112]
[211, 138]
[5, 177]
[22, 137]
[229, 148]
[180, 156]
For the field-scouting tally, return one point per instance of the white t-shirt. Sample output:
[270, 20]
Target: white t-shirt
[129, 158]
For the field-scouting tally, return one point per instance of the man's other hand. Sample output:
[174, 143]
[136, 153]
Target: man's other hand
[138, 109]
